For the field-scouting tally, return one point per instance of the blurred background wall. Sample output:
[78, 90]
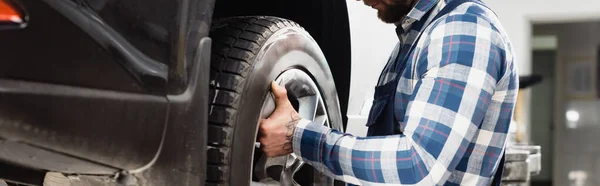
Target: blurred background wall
[559, 40]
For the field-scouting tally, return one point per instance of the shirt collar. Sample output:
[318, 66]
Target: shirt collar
[418, 12]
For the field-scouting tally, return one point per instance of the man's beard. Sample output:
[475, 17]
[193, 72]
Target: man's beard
[394, 12]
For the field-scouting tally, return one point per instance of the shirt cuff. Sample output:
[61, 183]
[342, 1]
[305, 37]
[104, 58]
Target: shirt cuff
[308, 139]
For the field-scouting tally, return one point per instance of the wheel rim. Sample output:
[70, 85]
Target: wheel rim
[307, 100]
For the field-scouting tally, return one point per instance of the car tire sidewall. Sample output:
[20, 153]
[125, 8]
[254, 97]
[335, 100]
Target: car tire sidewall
[288, 48]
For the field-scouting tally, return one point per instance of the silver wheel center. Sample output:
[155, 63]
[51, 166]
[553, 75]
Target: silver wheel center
[306, 98]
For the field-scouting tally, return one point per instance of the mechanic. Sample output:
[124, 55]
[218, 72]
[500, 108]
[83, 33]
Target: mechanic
[441, 110]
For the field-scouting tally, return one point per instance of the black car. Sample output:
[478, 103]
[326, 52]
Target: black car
[163, 92]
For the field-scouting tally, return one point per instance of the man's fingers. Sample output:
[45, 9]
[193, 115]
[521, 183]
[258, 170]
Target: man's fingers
[280, 94]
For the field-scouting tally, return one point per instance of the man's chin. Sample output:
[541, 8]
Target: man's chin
[386, 18]
[393, 13]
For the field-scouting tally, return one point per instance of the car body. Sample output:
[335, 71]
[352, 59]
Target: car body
[119, 88]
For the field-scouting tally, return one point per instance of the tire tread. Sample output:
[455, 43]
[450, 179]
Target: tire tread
[237, 41]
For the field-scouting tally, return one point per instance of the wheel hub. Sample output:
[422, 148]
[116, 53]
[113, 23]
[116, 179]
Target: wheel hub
[307, 100]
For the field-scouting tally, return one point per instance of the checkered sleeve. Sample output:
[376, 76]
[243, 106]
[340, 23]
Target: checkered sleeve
[459, 65]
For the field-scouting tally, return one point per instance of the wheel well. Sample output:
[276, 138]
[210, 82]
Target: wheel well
[326, 21]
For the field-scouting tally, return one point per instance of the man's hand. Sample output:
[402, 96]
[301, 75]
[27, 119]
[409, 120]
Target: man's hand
[276, 132]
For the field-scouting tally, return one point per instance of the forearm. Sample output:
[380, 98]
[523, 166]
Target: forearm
[358, 160]
[425, 152]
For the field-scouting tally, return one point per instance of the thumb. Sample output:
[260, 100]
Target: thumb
[280, 94]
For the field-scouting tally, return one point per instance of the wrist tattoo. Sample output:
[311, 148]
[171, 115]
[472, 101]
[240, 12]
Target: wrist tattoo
[291, 126]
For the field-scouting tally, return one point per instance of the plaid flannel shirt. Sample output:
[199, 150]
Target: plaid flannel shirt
[455, 101]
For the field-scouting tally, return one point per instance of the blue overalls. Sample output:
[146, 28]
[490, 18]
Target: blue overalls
[382, 119]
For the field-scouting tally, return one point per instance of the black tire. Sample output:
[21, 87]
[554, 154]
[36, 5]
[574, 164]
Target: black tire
[246, 57]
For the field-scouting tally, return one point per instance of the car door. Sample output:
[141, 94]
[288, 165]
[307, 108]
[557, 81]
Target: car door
[87, 79]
